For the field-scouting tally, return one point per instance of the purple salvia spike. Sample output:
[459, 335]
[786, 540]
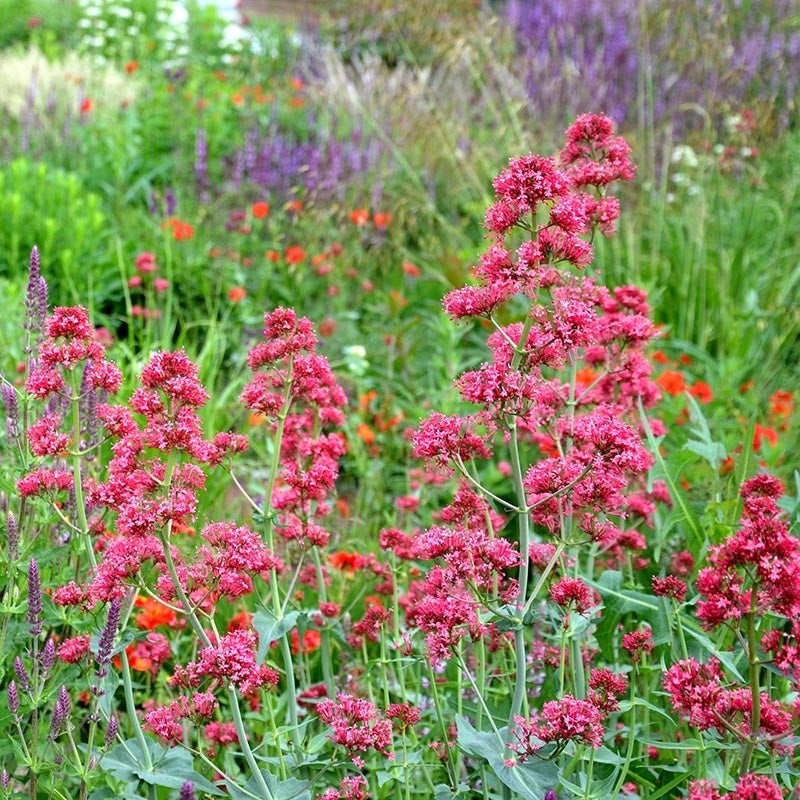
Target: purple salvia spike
[111, 732]
[11, 402]
[550, 794]
[34, 599]
[48, 657]
[22, 675]
[13, 698]
[187, 791]
[106, 643]
[5, 780]
[60, 712]
[12, 536]
[170, 202]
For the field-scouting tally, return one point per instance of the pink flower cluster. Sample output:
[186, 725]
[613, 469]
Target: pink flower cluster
[70, 341]
[757, 569]
[356, 724]
[699, 693]
[232, 659]
[748, 787]
[292, 382]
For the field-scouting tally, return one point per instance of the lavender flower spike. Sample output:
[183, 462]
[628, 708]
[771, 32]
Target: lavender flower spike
[22, 675]
[61, 712]
[35, 296]
[111, 732]
[187, 791]
[11, 402]
[13, 698]
[106, 644]
[12, 536]
[34, 599]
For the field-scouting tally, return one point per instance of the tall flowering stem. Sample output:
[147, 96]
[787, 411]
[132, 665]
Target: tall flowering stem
[565, 380]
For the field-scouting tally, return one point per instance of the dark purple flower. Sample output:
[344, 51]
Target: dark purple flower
[22, 675]
[187, 791]
[111, 731]
[60, 712]
[34, 599]
[106, 644]
[13, 698]
[11, 402]
[12, 533]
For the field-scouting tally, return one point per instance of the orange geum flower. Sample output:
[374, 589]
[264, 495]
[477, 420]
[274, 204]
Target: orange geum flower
[382, 219]
[412, 270]
[236, 294]
[260, 209]
[701, 391]
[763, 433]
[781, 404]
[359, 216]
[366, 433]
[153, 614]
[671, 382]
[295, 254]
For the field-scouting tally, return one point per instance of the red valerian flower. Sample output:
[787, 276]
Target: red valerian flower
[356, 724]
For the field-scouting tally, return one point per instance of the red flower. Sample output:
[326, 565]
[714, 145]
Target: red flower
[295, 254]
[761, 433]
[260, 209]
[359, 216]
[672, 382]
[86, 106]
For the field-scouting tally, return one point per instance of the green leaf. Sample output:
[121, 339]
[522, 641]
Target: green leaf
[618, 602]
[270, 628]
[290, 789]
[530, 780]
[703, 444]
[171, 767]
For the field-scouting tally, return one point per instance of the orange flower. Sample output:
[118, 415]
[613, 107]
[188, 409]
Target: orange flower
[311, 641]
[181, 231]
[727, 466]
[359, 216]
[138, 663]
[382, 219]
[586, 376]
[294, 206]
[237, 98]
[153, 614]
[236, 294]
[365, 399]
[295, 254]
[660, 357]
[86, 105]
[366, 433]
[131, 67]
[272, 255]
[762, 433]
[672, 382]
[343, 508]
[260, 209]
[412, 270]
[240, 621]
[347, 562]
[685, 359]
[296, 102]
[297, 84]
[701, 391]
[781, 404]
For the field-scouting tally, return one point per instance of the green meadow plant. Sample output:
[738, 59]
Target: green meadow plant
[543, 612]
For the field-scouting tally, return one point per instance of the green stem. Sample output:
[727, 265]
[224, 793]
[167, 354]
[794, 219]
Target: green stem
[244, 743]
[130, 704]
[80, 503]
[322, 595]
[755, 686]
